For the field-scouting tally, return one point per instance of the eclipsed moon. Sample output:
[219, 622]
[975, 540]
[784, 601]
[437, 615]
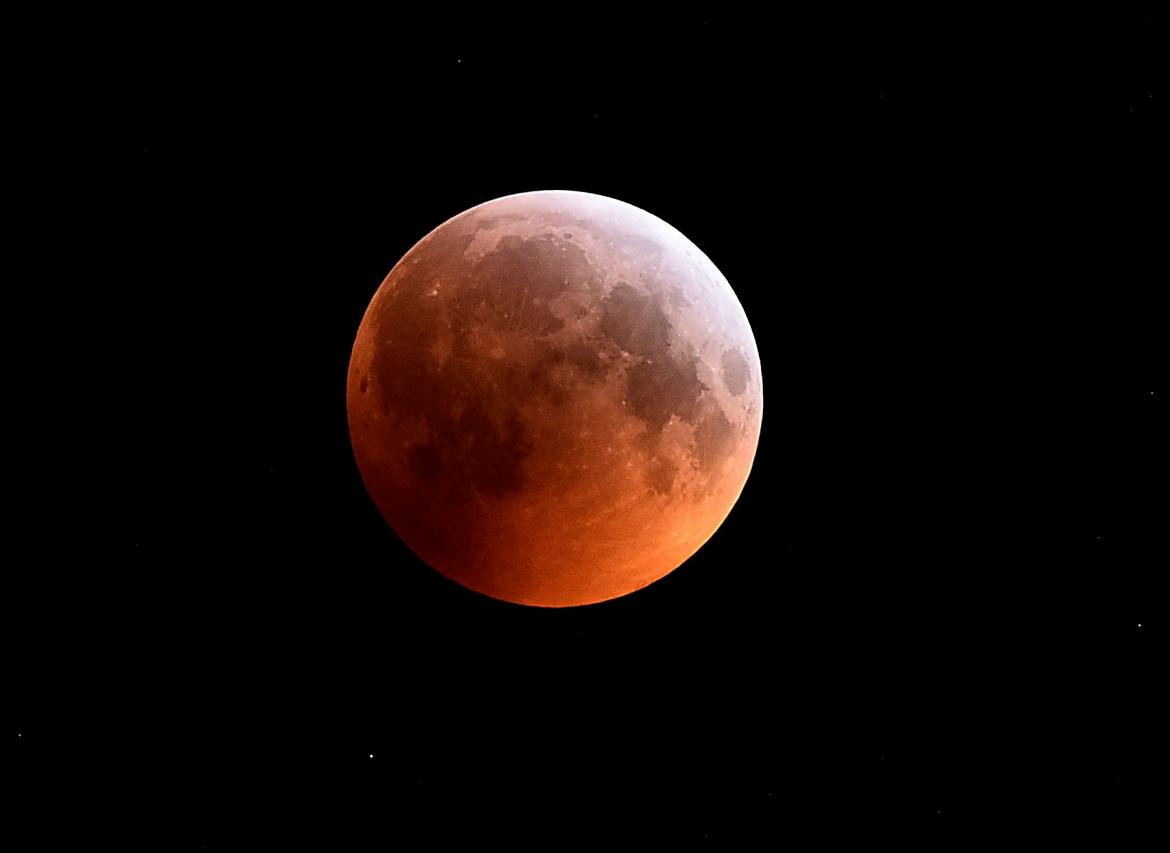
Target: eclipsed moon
[554, 398]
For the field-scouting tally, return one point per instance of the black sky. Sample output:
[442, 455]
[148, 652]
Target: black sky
[932, 614]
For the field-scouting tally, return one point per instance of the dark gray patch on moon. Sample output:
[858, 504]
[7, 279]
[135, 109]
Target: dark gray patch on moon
[658, 385]
[635, 322]
[735, 372]
[714, 440]
[513, 285]
[659, 388]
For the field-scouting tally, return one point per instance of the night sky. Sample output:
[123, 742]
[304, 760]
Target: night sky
[933, 614]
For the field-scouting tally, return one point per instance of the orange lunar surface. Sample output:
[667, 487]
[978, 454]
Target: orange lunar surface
[554, 398]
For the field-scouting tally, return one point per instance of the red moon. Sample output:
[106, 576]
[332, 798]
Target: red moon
[554, 398]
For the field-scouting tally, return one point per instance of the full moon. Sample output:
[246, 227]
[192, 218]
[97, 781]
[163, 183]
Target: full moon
[554, 398]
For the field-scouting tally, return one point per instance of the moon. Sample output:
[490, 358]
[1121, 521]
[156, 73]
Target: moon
[554, 398]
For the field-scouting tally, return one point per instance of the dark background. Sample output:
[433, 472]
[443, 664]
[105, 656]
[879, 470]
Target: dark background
[932, 613]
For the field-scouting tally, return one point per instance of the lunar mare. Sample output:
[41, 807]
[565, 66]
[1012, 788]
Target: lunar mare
[554, 398]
